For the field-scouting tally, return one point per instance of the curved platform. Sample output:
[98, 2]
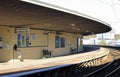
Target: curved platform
[21, 68]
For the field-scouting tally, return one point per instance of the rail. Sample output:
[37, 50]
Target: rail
[109, 69]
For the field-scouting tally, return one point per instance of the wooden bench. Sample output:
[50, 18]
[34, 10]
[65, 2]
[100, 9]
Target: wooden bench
[46, 53]
[73, 50]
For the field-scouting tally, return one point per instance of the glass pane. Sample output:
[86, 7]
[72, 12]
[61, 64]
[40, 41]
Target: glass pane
[27, 39]
[23, 40]
[19, 40]
[62, 42]
[57, 41]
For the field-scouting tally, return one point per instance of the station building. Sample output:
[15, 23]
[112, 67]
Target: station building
[35, 28]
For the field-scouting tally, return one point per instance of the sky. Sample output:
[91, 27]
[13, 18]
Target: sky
[105, 10]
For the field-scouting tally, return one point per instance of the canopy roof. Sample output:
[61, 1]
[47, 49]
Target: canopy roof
[22, 14]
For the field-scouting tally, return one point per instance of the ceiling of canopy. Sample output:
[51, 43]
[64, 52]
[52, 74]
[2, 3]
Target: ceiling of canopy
[22, 14]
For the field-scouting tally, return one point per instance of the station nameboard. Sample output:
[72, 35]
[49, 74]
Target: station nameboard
[21, 29]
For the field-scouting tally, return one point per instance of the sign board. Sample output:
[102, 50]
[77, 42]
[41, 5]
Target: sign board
[22, 29]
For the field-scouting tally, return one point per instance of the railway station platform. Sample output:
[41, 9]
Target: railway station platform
[8, 68]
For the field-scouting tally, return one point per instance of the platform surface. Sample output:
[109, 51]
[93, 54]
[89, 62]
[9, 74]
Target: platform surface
[13, 67]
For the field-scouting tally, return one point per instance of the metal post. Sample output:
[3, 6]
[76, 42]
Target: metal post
[13, 55]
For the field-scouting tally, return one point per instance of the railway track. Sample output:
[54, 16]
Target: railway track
[112, 69]
[115, 73]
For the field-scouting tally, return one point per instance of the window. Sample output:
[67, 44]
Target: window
[22, 39]
[22, 34]
[59, 42]
[62, 42]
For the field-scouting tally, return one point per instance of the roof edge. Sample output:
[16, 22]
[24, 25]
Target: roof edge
[52, 6]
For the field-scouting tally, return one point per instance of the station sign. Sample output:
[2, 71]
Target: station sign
[22, 29]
